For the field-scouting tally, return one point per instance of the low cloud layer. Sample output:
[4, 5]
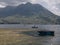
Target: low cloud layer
[52, 5]
[12, 2]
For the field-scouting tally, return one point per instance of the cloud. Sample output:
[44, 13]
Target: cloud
[13, 2]
[1, 6]
[53, 5]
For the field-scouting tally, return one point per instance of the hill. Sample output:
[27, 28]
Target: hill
[27, 14]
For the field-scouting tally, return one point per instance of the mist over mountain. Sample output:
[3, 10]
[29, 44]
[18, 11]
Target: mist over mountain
[28, 14]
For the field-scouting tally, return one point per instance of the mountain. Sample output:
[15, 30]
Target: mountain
[26, 9]
[28, 14]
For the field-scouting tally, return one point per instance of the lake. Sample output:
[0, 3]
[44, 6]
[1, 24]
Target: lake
[51, 27]
[48, 41]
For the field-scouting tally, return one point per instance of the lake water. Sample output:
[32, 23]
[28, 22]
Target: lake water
[51, 27]
[53, 41]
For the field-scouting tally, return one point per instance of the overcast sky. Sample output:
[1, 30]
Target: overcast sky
[52, 5]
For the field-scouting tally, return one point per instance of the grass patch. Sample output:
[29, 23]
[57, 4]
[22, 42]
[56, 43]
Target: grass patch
[12, 37]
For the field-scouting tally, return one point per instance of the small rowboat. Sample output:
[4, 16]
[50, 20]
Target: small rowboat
[46, 33]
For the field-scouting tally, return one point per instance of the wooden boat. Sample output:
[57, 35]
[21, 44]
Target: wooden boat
[46, 33]
[34, 26]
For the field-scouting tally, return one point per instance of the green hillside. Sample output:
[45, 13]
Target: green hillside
[27, 14]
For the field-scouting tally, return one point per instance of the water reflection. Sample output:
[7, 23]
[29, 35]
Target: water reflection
[43, 40]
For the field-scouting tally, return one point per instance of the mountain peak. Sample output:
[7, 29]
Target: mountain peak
[28, 3]
[29, 11]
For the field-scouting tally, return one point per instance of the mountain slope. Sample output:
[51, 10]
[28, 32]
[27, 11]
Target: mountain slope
[27, 13]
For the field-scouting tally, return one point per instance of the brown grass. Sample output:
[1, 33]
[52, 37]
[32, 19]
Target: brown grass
[12, 37]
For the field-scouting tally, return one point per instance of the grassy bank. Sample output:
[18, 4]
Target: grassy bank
[20, 37]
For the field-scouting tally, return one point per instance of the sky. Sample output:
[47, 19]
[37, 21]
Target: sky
[52, 5]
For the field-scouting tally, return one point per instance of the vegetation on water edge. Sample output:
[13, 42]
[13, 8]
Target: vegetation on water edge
[16, 37]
